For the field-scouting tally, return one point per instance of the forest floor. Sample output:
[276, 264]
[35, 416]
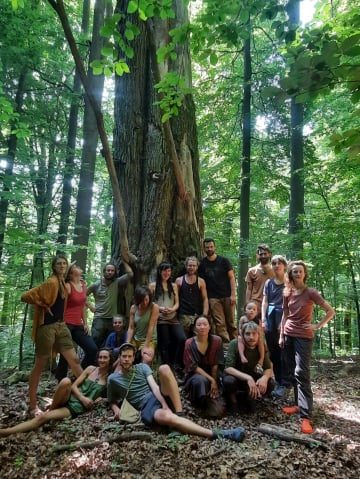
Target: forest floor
[159, 455]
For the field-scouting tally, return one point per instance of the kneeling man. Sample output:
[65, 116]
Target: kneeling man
[137, 384]
[241, 377]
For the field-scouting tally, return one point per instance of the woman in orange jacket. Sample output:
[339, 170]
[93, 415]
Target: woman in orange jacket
[50, 333]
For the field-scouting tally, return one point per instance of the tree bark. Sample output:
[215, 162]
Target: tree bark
[65, 207]
[161, 225]
[245, 174]
[59, 8]
[297, 191]
[90, 141]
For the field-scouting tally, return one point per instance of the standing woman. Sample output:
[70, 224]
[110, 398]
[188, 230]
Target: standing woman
[170, 333]
[76, 321]
[296, 337]
[143, 319]
[70, 400]
[203, 355]
[49, 331]
[271, 315]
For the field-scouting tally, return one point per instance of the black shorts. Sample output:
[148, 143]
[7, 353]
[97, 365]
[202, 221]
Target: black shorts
[148, 410]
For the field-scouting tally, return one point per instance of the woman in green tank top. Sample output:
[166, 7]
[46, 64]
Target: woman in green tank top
[143, 319]
[71, 399]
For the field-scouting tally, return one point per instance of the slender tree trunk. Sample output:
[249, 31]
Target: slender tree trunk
[12, 145]
[58, 6]
[245, 174]
[4, 318]
[65, 207]
[90, 141]
[355, 292]
[161, 222]
[296, 208]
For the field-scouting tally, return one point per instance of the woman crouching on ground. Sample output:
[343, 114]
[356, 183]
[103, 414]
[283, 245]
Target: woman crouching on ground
[72, 399]
[203, 355]
[296, 337]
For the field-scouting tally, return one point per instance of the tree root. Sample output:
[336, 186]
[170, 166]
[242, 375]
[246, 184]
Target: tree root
[135, 436]
[286, 435]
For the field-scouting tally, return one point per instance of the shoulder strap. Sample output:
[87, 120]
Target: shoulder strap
[131, 380]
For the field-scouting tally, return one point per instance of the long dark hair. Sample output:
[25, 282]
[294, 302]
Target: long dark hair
[159, 290]
[140, 293]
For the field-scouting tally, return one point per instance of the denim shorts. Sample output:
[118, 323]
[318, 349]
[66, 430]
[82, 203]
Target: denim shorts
[149, 409]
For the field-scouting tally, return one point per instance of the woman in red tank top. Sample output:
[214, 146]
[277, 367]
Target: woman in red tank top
[76, 321]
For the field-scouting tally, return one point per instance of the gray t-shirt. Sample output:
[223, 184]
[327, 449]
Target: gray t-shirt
[118, 384]
[106, 296]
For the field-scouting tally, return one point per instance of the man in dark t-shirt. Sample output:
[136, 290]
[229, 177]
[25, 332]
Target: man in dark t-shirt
[106, 292]
[219, 277]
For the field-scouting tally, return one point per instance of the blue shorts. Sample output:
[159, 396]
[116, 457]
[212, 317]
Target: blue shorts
[148, 410]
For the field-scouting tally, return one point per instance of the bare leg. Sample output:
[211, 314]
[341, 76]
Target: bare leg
[61, 395]
[34, 380]
[169, 387]
[166, 417]
[73, 361]
[38, 421]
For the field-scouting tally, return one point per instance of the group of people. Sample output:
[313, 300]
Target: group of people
[268, 353]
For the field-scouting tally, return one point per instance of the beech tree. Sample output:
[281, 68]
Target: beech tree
[163, 208]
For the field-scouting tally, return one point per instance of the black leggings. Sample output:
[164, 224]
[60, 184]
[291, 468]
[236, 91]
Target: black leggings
[171, 341]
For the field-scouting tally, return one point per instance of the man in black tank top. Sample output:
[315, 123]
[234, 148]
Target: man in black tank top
[192, 295]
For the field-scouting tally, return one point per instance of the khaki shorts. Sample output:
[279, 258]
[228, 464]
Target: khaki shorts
[187, 321]
[51, 338]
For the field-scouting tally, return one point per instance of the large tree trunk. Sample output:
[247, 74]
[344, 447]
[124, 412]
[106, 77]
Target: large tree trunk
[245, 174]
[65, 207]
[12, 145]
[296, 209]
[90, 141]
[161, 224]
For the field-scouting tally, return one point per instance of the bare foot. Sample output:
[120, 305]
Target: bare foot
[35, 412]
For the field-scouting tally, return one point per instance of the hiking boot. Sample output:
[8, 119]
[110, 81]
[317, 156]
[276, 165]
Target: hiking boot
[306, 426]
[237, 434]
[290, 410]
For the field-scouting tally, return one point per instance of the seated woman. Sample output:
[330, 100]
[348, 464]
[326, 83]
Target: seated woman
[171, 336]
[72, 399]
[202, 356]
[143, 319]
[118, 336]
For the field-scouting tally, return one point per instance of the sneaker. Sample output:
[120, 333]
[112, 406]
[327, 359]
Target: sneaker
[281, 392]
[237, 434]
[306, 426]
[290, 409]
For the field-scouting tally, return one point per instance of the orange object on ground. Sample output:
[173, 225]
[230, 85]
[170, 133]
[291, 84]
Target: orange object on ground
[290, 409]
[306, 426]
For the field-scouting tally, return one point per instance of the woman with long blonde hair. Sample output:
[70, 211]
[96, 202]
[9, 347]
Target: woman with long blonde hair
[296, 337]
